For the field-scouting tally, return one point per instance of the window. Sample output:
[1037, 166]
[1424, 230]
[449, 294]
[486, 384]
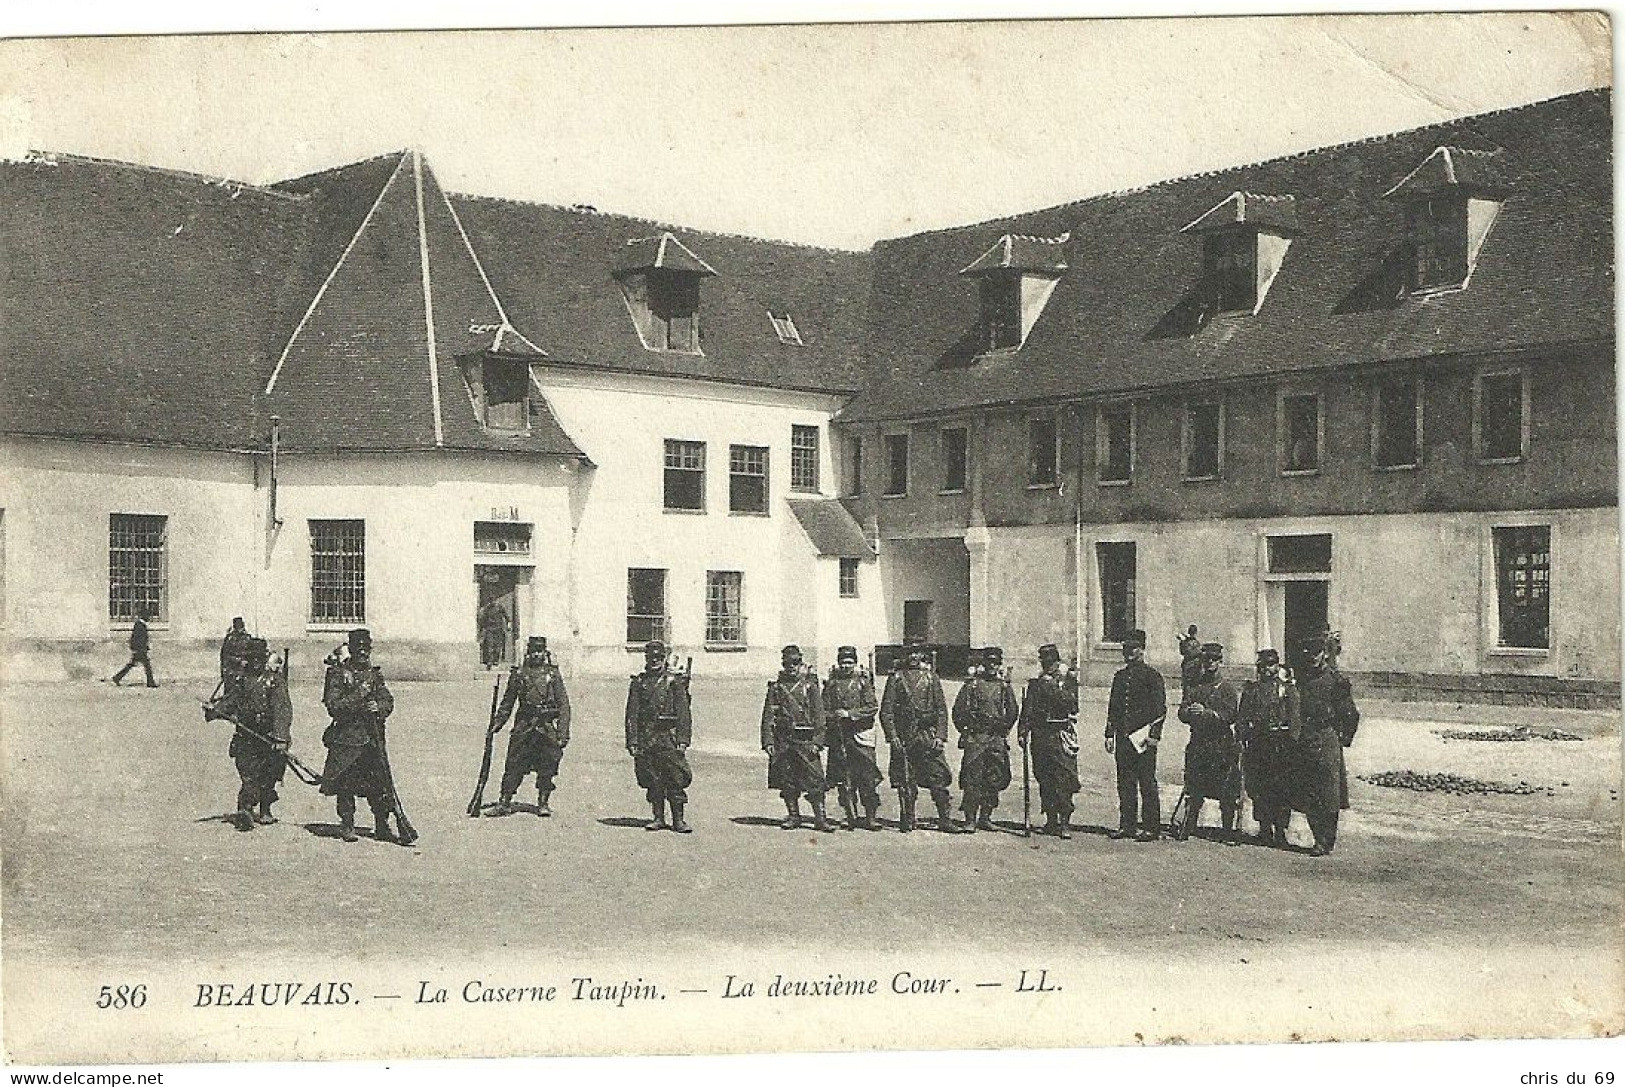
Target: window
[1229, 262]
[1311, 554]
[674, 311]
[1501, 416]
[507, 394]
[1043, 451]
[646, 618]
[804, 458]
[1203, 439]
[849, 579]
[1114, 444]
[1117, 578]
[747, 479]
[685, 475]
[338, 571]
[1396, 438]
[1438, 228]
[501, 538]
[1523, 582]
[896, 465]
[724, 608]
[1300, 433]
[854, 466]
[955, 459]
[785, 329]
[137, 567]
[1001, 310]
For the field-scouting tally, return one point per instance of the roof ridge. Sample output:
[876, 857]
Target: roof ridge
[1464, 119]
[586, 210]
[331, 170]
[55, 158]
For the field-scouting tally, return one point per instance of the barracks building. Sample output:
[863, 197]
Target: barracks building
[1370, 387]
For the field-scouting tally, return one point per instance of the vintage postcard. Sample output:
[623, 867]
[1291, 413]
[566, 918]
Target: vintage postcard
[808, 537]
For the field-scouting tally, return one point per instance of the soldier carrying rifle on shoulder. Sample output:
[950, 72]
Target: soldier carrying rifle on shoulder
[1049, 723]
[659, 728]
[793, 735]
[914, 716]
[359, 703]
[541, 730]
[850, 707]
[984, 712]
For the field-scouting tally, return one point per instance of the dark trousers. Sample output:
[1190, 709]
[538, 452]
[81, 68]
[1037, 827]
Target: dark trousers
[1323, 825]
[137, 656]
[1137, 787]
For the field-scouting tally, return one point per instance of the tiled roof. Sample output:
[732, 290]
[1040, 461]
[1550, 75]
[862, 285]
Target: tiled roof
[555, 268]
[663, 252]
[1021, 253]
[1275, 213]
[1127, 314]
[1453, 168]
[833, 530]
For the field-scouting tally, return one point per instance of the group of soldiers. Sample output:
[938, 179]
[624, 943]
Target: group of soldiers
[1280, 740]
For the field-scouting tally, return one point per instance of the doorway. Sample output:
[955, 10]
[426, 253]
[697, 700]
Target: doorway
[1304, 613]
[917, 621]
[496, 615]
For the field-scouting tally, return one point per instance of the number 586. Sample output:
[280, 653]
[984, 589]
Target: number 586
[122, 996]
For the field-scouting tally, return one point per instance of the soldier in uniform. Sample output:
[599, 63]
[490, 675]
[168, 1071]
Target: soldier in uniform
[850, 707]
[493, 633]
[659, 728]
[258, 703]
[793, 735]
[1212, 755]
[1320, 784]
[914, 717]
[1190, 659]
[1134, 717]
[234, 656]
[1049, 728]
[359, 704]
[984, 712]
[1268, 725]
[541, 731]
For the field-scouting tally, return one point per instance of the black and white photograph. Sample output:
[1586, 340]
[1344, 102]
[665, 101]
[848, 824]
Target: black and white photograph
[815, 537]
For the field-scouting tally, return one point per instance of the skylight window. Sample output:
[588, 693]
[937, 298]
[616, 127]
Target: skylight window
[785, 327]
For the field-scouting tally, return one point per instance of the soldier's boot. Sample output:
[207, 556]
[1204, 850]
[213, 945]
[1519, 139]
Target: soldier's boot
[985, 818]
[1063, 824]
[677, 822]
[870, 822]
[542, 797]
[1193, 812]
[381, 831]
[849, 807]
[1229, 819]
[659, 809]
[504, 806]
[905, 811]
[970, 805]
[820, 820]
[792, 813]
[243, 818]
[1051, 824]
[265, 818]
[346, 806]
[945, 815]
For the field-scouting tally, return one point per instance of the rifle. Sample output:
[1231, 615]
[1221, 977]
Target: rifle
[301, 771]
[477, 804]
[1026, 781]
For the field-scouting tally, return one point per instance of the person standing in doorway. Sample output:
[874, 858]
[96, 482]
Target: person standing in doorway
[494, 626]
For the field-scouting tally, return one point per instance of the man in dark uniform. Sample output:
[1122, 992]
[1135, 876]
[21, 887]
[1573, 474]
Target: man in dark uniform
[1212, 755]
[850, 707]
[1320, 784]
[140, 647]
[359, 704]
[1049, 728]
[234, 656]
[1267, 723]
[259, 705]
[793, 735]
[541, 731]
[1134, 717]
[659, 728]
[493, 633]
[984, 712]
[914, 716]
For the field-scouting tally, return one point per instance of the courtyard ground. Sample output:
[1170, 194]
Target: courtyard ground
[1439, 915]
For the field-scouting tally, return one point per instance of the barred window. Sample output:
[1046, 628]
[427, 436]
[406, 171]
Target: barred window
[338, 571]
[849, 578]
[804, 458]
[747, 479]
[646, 618]
[1523, 577]
[724, 607]
[137, 567]
[685, 475]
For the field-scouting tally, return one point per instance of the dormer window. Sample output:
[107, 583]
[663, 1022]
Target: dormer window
[1014, 280]
[660, 280]
[1244, 241]
[501, 392]
[1451, 200]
